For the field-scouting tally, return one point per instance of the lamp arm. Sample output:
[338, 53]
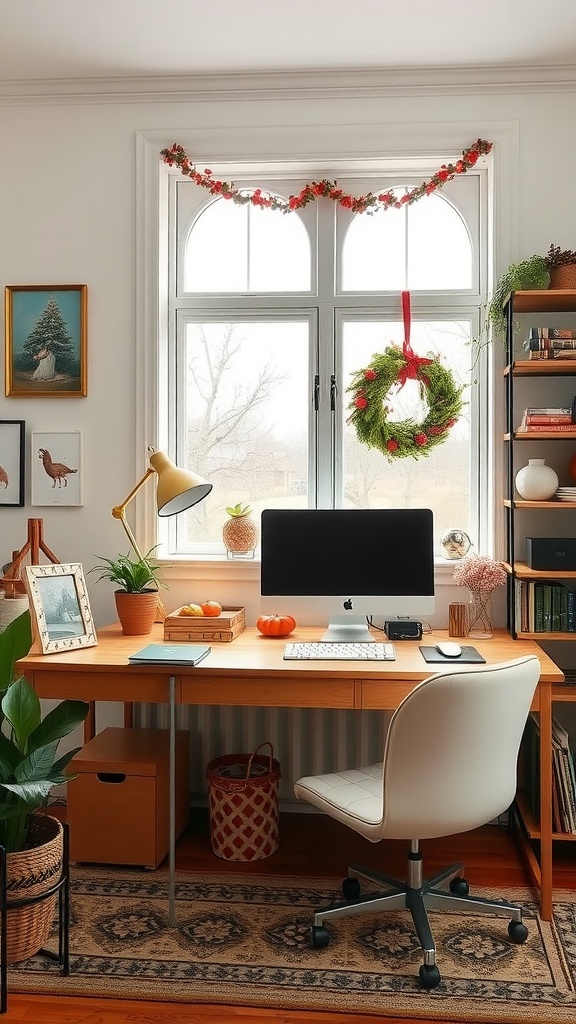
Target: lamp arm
[119, 511]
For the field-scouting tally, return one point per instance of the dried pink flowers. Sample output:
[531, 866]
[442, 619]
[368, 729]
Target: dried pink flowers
[477, 572]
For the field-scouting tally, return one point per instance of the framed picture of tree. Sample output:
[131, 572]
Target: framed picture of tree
[59, 607]
[46, 340]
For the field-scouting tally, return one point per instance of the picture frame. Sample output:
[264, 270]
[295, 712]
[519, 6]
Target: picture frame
[12, 463]
[56, 467]
[46, 340]
[59, 607]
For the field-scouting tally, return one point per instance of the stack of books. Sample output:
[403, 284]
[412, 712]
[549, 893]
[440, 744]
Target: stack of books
[548, 420]
[563, 774]
[544, 607]
[550, 343]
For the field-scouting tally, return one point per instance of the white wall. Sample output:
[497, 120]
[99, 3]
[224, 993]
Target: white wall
[68, 215]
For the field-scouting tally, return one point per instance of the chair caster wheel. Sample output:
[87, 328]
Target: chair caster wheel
[459, 886]
[350, 888]
[319, 936]
[518, 932]
[429, 976]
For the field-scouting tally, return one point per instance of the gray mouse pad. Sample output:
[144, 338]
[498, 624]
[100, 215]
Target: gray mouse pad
[469, 656]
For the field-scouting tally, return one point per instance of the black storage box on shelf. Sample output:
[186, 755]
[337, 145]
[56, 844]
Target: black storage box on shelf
[551, 554]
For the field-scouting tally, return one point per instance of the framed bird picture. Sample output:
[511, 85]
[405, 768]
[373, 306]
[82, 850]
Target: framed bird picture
[56, 462]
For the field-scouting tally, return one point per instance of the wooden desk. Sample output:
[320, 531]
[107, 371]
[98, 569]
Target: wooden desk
[250, 671]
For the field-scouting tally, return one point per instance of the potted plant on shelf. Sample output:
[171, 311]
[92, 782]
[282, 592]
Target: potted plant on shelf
[557, 269]
[138, 580]
[240, 533]
[29, 769]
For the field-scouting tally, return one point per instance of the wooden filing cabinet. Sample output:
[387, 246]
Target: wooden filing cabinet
[118, 806]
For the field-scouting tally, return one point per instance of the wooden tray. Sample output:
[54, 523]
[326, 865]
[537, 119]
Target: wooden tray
[225, 627]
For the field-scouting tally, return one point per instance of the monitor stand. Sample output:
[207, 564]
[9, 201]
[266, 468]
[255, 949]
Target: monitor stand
[348, 629]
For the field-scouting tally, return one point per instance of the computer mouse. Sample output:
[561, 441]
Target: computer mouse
[449, 650]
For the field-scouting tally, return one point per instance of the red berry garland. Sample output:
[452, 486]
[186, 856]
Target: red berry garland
[371, 386]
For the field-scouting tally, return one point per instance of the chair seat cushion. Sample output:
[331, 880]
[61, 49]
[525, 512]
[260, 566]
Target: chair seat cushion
[353, 797]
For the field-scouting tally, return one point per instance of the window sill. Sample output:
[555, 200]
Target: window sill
[212, 567]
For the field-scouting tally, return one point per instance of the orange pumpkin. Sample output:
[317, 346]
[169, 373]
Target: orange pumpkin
[276, 625]
[211, 607]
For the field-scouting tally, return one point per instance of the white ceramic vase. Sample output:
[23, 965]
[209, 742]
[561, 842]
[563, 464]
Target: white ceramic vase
[536, 481]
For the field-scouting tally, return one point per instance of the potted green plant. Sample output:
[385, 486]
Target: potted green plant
[137, 580]
[549, 271]
[240, 533]
[29, 769]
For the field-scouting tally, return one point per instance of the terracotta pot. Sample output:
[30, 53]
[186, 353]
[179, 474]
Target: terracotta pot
[31, 872]
[563, 277]
[136, 612]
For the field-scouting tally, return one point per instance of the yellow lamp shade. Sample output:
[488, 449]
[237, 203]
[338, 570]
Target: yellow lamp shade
[176, 489]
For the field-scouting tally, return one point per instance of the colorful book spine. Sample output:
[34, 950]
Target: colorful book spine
[543, 419]
[550, 428]
[555, 333]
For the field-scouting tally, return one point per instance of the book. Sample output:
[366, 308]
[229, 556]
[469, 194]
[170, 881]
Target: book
[546, 419]
[551, 332]
[549, 428]
[170, 654]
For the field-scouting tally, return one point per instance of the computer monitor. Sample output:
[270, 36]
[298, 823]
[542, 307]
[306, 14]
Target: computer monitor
[354, 562]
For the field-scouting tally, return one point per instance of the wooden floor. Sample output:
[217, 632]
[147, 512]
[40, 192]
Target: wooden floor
[309, 844]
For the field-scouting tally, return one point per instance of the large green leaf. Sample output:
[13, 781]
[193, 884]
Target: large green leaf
[21, 707]
[59, 722]
[33, 794]
[10, 756]
[38, 765]
[15, 642]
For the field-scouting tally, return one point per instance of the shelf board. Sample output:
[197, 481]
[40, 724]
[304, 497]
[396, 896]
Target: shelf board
[530, 823]
[542, 368]
[542, 435]
[524, 572]
[545, 300]
[521, 503]
[538, 637]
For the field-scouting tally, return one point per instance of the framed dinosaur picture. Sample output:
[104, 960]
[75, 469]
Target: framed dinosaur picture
[56, 467]
[46, 338]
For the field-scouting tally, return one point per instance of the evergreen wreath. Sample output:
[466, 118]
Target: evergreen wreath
[371, 385]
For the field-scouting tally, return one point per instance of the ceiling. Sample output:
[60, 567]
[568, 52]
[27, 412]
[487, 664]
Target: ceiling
[71, 39]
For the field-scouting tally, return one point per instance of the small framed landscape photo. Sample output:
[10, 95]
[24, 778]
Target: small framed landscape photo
[11, 463]
[56, 467]
[46, 340]
[60, 609]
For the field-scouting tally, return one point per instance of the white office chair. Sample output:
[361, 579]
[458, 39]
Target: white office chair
[449, 765]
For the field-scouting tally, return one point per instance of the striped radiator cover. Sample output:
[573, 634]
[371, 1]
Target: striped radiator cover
[306, 741]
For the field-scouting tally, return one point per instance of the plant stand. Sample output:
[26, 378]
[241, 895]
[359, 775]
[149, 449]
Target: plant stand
[62, 887]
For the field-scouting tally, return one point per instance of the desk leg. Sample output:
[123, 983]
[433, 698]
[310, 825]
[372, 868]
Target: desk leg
[546, 782]
[172, 808]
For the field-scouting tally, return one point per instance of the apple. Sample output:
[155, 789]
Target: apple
[211, 608]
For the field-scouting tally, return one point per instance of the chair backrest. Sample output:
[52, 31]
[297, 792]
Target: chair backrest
[451, 751]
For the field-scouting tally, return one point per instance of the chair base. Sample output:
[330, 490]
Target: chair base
[418, 897]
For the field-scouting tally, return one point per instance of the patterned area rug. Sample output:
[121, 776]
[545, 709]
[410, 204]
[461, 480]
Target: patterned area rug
[243, 939]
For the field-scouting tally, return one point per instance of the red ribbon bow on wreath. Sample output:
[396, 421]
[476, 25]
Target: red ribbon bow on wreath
[413, 362]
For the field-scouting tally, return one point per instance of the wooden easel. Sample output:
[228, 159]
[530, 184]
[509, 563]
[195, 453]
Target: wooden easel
[12, 581]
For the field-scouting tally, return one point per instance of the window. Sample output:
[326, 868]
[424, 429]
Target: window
[270, 316]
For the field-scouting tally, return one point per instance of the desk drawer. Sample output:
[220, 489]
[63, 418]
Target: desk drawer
[274, 692]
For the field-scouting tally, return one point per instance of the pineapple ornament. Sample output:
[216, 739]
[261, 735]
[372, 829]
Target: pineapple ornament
[240, 533]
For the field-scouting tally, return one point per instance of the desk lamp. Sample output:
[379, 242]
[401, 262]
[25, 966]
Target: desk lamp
[176, 490]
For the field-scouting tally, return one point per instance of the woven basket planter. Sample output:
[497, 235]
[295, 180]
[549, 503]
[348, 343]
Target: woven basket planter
[30, 873]
[243, 804]
[563, 277]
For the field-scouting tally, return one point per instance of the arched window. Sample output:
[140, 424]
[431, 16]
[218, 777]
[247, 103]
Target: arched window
[421, 247]
[271, 316]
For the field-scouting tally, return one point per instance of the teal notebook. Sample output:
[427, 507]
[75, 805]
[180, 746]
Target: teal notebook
[170, 654]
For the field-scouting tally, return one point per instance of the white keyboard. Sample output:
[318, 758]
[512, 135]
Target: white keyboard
[327, 651]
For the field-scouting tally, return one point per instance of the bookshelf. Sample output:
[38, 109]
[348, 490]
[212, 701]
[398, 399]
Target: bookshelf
[550, 380]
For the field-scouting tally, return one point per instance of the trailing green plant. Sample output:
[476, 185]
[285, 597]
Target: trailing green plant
[134, 575]
[29, 768]
[531, 273]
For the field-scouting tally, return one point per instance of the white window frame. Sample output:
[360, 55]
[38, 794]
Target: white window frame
[152, 307]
